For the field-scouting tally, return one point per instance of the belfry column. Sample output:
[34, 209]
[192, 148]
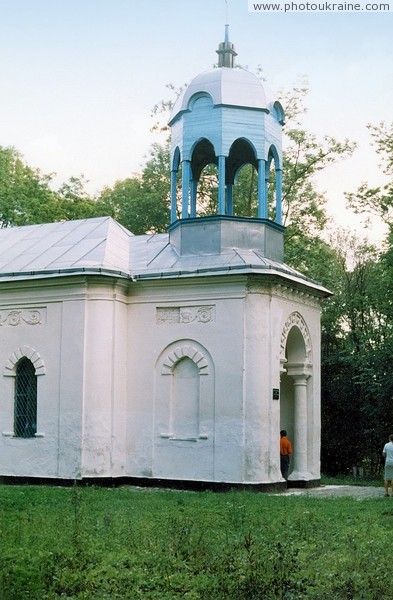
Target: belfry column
[262, 197]
[267, 177]
[221, 185]
[300, 374]
[279, 196]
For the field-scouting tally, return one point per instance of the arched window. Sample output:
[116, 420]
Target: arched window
[25, 408]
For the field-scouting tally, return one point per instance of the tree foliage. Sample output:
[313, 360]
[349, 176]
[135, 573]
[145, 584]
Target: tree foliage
[357, 380]
[141, 203]
[74, 202]
[356, 395]
[25, 195]
[377, 201]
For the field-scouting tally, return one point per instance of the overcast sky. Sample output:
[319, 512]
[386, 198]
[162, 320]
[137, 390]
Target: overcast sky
[79, 77]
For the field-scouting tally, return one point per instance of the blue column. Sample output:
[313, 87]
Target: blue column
[279, 196]
[185, 188]
[194, 187]
[262, 190]
[229, 210]
[173, 196]
[221, 185]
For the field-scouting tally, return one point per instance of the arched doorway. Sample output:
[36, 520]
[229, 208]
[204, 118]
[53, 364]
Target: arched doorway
[295, 391]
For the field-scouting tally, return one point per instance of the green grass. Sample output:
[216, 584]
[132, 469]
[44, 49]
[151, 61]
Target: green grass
[129, 543]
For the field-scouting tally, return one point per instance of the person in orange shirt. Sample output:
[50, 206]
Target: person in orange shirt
[285, 453]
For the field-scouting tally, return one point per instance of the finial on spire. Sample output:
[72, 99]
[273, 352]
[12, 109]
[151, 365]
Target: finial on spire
[226, 51]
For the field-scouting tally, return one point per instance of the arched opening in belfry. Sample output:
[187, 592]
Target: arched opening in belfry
[207, 191]
[245, 192]
[241, 178]
[203, 190]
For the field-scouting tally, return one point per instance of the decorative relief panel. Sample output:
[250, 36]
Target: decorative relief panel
[185, 314]
[22, 316]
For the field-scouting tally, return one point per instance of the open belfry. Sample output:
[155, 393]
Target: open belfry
[174, 358]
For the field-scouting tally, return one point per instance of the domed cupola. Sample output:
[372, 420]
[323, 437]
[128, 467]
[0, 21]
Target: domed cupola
[226, 87]
[225, 118]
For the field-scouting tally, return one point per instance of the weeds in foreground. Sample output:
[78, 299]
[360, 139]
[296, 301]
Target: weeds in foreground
[95, 543]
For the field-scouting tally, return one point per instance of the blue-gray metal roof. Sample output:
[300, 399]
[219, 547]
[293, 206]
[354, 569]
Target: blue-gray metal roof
[101, 245]
[55, 248]
[153, 257]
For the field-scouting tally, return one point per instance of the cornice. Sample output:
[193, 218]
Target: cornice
[293, 293]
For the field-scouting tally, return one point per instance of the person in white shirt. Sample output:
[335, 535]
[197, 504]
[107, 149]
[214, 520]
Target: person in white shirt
[387, 453]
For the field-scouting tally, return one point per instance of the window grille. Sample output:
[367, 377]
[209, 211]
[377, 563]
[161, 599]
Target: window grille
[25, 416]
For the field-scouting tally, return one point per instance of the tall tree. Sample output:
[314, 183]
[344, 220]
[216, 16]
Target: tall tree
[357, 386]
[377, 201]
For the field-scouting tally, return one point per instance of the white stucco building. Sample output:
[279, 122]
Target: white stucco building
[175, 357]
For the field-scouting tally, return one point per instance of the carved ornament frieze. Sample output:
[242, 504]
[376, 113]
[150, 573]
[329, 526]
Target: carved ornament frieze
[185, 315]
[13, 317]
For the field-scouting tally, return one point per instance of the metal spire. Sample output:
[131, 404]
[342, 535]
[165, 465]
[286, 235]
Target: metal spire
[226, 51]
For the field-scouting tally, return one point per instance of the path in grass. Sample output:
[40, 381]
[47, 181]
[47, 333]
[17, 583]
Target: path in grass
[332, 491]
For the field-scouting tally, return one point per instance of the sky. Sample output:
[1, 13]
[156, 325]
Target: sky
[79, 79]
